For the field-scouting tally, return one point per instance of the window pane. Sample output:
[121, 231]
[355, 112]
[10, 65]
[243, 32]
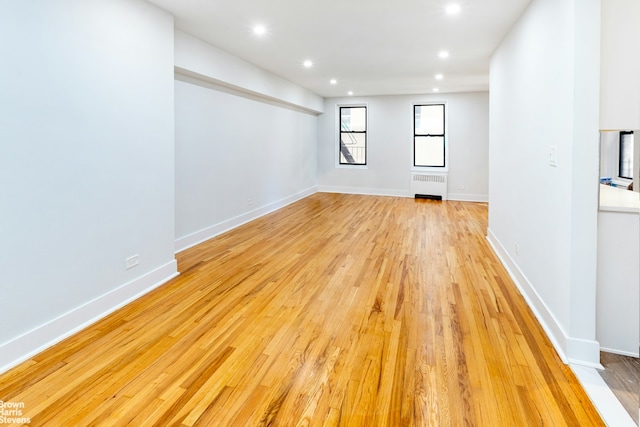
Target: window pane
[626, 155]
[429, 119]
[352, 148]
[429, 151]
[353, 119]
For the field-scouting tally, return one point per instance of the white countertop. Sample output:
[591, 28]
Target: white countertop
[618, 199]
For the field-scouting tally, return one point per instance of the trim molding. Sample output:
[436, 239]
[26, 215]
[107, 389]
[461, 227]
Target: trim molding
[46, 335]
[186, 76]
[363, 191]
[571, 350]
[458, 197]
[464, 197]
[212, 231]
[620, 352]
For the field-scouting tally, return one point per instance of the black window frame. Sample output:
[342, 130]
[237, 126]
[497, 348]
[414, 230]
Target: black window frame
[622, 142]
[443, 135]
[342, 146]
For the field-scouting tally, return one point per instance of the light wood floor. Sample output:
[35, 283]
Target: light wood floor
[337, 310]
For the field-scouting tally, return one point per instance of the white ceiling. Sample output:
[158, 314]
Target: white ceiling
[372, 47]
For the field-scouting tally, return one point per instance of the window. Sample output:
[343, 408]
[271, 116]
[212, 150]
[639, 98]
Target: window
[625, 161]
[428, 135]
[353, 136]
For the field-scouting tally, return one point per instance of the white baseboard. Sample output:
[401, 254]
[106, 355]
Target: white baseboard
[463, 197]
[459, 197]
[212, 231]
[620, 352]
[571, 350]
[363, 191]
[44, 336]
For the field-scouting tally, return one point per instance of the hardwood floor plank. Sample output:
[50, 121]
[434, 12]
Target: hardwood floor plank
[336, 310]
[622, 375]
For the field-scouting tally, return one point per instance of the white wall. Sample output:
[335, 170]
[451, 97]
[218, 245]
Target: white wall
[390, 145]
[198, 59]
[86, 163]
[544, 93]
[620, 66]
[239, 153]
[609, 154]
[618, 278]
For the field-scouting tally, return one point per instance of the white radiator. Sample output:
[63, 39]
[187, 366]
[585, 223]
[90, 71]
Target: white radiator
[429, 184]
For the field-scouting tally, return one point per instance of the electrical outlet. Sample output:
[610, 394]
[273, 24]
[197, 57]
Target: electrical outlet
[553, 156]
[460, 187]
[131, 262]
[517, 248]
[249, 201]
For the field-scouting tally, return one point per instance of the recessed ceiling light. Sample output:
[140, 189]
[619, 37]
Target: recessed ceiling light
[308, 64]
[435, 89]
[453, 9]
[349, 93]
[439, 77]
[443, 54]
[259, 30]
[333, 81]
